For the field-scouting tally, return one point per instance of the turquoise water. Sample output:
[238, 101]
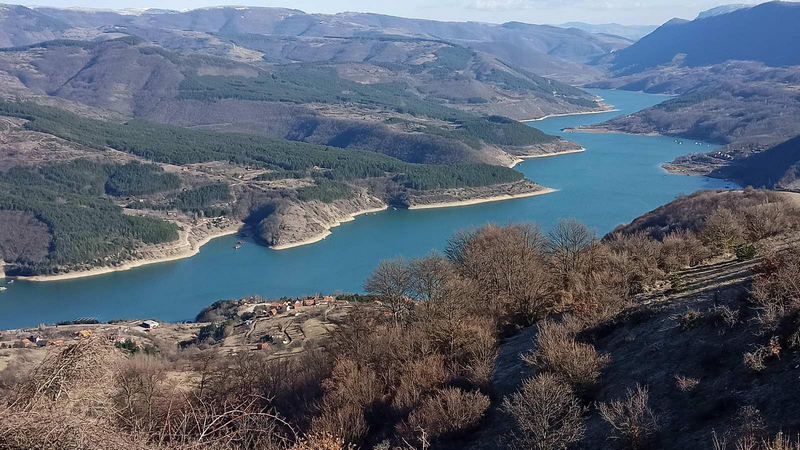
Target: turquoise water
[617, 179]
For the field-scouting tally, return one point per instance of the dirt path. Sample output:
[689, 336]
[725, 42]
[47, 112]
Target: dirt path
[795, 197]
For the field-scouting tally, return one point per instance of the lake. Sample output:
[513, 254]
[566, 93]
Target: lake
[617, 179]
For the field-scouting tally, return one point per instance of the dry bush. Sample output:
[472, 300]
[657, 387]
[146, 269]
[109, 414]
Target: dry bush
[748, 432]
[448, 413]
[510, 269]
[756, 360]
[723, 230]
[46, 427]
[776, 287]
[724, 316]
[322, 441]
[682, 249]
[547, 414]
[559, 353]
[692, 318]
[631, 418]
[65, 370]
[140, 395]
[768, 219]
[638, 257]
[686, 384]
[350, 390]
[781, 442]
[417, 379]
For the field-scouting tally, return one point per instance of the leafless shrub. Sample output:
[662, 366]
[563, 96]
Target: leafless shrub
[756, 360]
[558, 352]
[724, 316]
[547, 414]
[350, 389]
[686, 384]
[692, 318]
[776, 287]
[417, 379]
[48, 427]
[766, 220]
[747, 432]
[510, 269]
[631, 418]
[65, 369]
[682, 249]
[448, 413]
[722, 229]
[322, 441]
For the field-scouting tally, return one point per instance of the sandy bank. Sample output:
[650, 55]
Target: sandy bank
[570, 114]
[522, 158]
[187, 247]
[327, 232]
[476, 201]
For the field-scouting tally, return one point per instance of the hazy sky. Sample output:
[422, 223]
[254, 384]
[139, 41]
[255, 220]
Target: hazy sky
[531, 11]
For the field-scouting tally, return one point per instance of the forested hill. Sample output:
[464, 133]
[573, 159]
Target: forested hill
[175, 145]
[439, 111]
[764, 33]
[101, 192]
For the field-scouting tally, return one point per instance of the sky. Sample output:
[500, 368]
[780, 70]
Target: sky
[629, 12]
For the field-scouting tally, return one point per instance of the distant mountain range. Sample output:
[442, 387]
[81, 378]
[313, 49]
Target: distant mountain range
[632, 32]
[766, 33]
[293, 36]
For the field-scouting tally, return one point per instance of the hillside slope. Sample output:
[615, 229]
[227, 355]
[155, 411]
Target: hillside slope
[761, 33]
[542, 49]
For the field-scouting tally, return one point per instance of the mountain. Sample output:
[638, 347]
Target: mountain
[285, 35]
[763, 33]
[719, 10]
[20, 25]
[775, 168]
[631, 32]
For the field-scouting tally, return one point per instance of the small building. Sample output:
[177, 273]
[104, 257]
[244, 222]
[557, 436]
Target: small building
[309, 302]
[149, 324]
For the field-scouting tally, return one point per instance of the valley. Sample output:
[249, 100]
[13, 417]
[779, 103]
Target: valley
[219, 271]
[238, 227]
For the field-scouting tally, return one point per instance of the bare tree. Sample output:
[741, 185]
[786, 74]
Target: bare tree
[393, 283]
[569, 242]
[429, 276]
[510, 268]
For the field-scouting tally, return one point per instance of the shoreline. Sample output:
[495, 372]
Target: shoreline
[477, 201]
[194, 249]
[521, 158]
[550, 116]
[327, 232]
[598, 130]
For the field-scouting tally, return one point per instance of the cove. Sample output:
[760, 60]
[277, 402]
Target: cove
[617, 179]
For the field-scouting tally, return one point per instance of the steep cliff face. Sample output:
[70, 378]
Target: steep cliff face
[293, 224]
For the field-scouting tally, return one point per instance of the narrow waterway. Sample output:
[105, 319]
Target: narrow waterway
[617, 179]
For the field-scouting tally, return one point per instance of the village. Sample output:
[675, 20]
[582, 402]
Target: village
[277, 328]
